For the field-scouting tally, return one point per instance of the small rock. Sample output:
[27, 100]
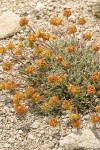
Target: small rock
[9, 24]
[6, 145]
[30, 136]
[39, 6]
[72, 19]
[35, 125]
[11, 140]
[86, 139]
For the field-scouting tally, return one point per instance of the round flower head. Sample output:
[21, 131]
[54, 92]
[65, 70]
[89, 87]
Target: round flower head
[21, 110]
[52, 78]
[60, 79]
[16, 101]
[95, 47]
[6, 66]
[95, 118]
[18, 51]
[2, 50]
[58, 58]
[38, 50]
[67, 64]
[72, 30]
[54, 100]
[10, 85]
[29, 69]
[70, 48]
[2, 85]
[43, 35]
[46, 106]
[21, 44]
[95, 76]
[67, 12]
[36, 97]
[23, 21]
[46, 36]
[97, 108]
[91, 89]
[87, 36]
[11, 46]
[46, 53]
[29, 92]
[74, 117]
[76, 124]
[66, 104]
[32, 37]
[40, 34]
[53, 122]
[41, 63]
[81, 21]
[19, 94]
[56, 21]
[73, 89]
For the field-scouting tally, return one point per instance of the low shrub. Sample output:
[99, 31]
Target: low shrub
[61, 70]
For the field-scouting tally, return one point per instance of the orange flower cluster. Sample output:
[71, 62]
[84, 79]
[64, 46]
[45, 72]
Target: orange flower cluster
[2, 85]
[46, 53]
[6, 66]
[70, 48]
[46, 106]
[66, 104]
[74, 117]
[76, 124]
[36, 97]
[67, 12]
[81, 21]
[21, 109]
[41, 63]
[29, 92]
[43, 35]
[38, 50]
[53, 122]
[95, 118]
[73, 89]
[87, 36]
[95, 47]
[18, 51]
[52, 78]
[54, 100]
[60, 79]
[23, 21]
[10, 46]
[10, 85]
[56, 21]
[72, 30]
[95, 76]
[2, 50]
[91, 89]
[30, 69]
[17, 97]
[67, 64]
[32, 37]
[75, 120]
[98, 108]
[58, 58]
[21, 44]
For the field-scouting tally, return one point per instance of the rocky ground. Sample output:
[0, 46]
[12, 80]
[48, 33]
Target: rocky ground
[33, 132]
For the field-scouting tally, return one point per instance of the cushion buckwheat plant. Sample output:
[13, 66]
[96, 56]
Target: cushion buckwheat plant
[60, 71]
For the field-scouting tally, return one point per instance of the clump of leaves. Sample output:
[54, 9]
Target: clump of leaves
[60, 71]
